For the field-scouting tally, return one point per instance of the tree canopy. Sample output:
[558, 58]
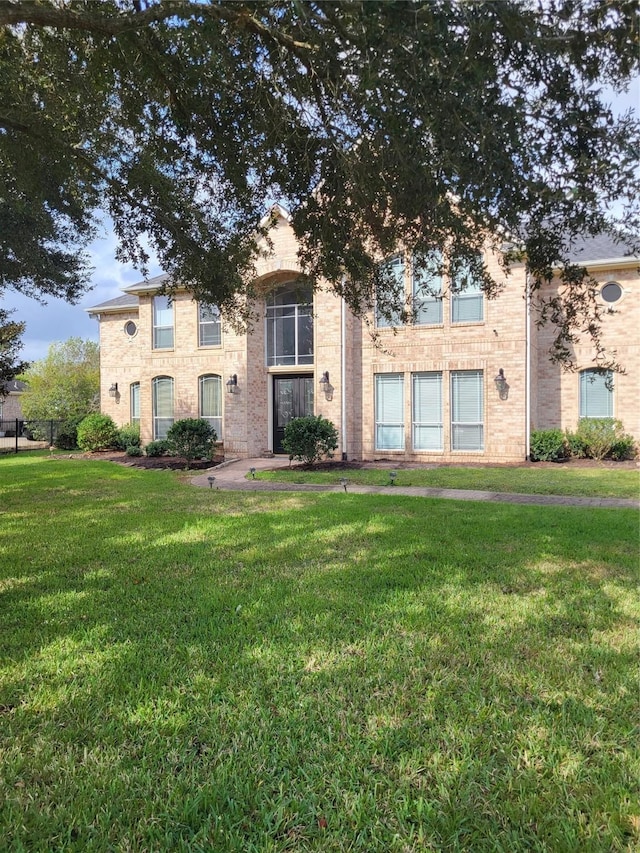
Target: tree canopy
[377, 124]
[10, 346]
[65, 385]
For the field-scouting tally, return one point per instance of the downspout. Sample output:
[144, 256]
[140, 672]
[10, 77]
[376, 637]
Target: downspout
[343, 372]
[527, 403]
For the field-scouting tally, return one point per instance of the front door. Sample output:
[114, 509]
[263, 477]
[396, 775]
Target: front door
[292, 398]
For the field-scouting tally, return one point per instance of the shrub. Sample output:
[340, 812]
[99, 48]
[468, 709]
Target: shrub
[129, 436]
[157, 448]
[310, 439]
[97, 432]
[547, 445]
[623, 448]
[67, 434]
[192, 438]
[133, 450]
[600, 436]
[575, 445]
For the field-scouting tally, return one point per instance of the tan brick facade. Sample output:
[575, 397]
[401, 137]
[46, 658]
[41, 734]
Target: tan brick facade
[344, 346]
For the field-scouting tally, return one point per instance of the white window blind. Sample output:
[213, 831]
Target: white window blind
[162, 406]
[467, 298]
[209, 326]
[394, 294]
[427, 411]
[134, 398]
[427, 289]
[467, 407]
[162, 323]
[596, 394]
[211, 402]
[389, 411]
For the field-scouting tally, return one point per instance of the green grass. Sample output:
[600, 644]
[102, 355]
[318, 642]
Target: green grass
[560, 480]
[196, 670]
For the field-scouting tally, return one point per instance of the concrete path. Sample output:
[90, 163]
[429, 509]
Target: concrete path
[233, 475]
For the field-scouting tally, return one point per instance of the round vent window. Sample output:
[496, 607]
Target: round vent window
[611, 292]
[130, 329]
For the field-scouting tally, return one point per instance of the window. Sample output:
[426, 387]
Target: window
[134, 402]
[596, 394]
[162, 323]
[210, 395]
[290, 326]
[427, 411]
[391, 314]
[389, 411]
[130, 329]
[467, 406]
[209, 326]
[427, 289]
[611, 292]
[162, 406]
[467, 302]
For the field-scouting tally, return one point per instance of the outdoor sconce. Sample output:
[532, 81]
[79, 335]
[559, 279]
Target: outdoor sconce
[501, 385]
[232, 383]
[113, 390]
[326, 386]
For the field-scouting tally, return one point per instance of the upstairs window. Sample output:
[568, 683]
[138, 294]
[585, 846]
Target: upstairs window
[162, 397]
[467, 298]
[290, 326]
[210, 394]
[134, 402]
[390, 306]
[209, 326]
[162, 322]
[427, 289]
[596, 394]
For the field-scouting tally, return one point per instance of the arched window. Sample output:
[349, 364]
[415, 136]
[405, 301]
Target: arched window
[596, 393]
[162, 392]
[210, 397]
[290, 326]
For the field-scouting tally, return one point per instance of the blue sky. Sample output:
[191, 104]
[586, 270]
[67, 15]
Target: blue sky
[58, 321]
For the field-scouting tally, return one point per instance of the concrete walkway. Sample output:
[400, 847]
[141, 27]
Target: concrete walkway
[232, 475]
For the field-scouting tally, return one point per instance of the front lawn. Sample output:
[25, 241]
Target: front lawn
[603, 482]
[196, 670]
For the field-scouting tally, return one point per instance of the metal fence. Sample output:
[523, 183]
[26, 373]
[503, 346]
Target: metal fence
[16, 435]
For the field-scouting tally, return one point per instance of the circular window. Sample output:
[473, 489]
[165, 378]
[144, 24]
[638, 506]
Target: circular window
[130, 329]
[611, 292]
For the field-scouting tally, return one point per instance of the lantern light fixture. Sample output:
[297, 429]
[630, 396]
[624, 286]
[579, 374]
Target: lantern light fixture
[113, 390]
[232, 384]
[501, 384]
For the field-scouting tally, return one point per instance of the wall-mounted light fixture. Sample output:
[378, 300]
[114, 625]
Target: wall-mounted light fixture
[324, 380]
[113, 390]
[502, 385]
[232, 383]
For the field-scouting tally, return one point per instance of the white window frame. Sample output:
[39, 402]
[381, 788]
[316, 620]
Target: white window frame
[214, 421]
[162, 305]
[595, 393]
[134, 402]
[466, 292]
[384, 427]
[426, 275]
[395, 267]
[300, 313]
[209, 325]
[432, 425]
[463, 425]
[162, 422]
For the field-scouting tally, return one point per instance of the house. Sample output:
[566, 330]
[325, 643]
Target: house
[10, 409]
[465, 381]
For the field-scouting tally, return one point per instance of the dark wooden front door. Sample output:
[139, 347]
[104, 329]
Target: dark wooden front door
[292, 398]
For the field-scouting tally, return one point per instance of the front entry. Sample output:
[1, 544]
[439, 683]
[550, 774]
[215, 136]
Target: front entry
[292, 398]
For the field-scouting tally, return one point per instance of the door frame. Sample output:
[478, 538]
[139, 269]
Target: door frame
[289, 374]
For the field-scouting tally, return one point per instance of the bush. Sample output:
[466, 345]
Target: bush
[548, 445]
[310, 439]
[575, 445]
[191, 438]
[157, 448]
[601, 435]
[129, 436]
[67, 434]
[624, 448]
[133, 450]
[97, 432]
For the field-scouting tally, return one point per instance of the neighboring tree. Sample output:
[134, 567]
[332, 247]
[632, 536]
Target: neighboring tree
[10, 346]
[97, 432]
[191, 438]
[379, 124]
[65, 385]
[310, 439]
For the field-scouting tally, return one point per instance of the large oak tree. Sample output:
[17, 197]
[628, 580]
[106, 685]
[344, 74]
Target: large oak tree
[379, 124]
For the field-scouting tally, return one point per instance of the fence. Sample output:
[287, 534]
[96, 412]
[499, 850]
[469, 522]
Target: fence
[16, 435]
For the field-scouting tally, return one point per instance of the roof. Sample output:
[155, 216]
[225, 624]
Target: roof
[603, 247]
[120, 303]
[12, 386]
[148, 284]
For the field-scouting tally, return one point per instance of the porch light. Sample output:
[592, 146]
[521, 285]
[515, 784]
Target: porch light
[232, 384]
[113, 390]
[324, 380]
[501, 385]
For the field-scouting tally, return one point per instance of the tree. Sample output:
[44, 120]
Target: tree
[379, 124]
[65, 385]
[10, 346]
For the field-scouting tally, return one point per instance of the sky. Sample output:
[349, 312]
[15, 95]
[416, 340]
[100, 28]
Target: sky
[57, 321]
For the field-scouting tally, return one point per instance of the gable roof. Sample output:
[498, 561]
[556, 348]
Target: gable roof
[12, 386]
[127, 302]
[603, 247]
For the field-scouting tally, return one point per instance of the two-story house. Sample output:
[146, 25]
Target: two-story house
[464, 380]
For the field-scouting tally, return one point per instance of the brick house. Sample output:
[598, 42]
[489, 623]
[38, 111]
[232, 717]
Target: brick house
[428, 390]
